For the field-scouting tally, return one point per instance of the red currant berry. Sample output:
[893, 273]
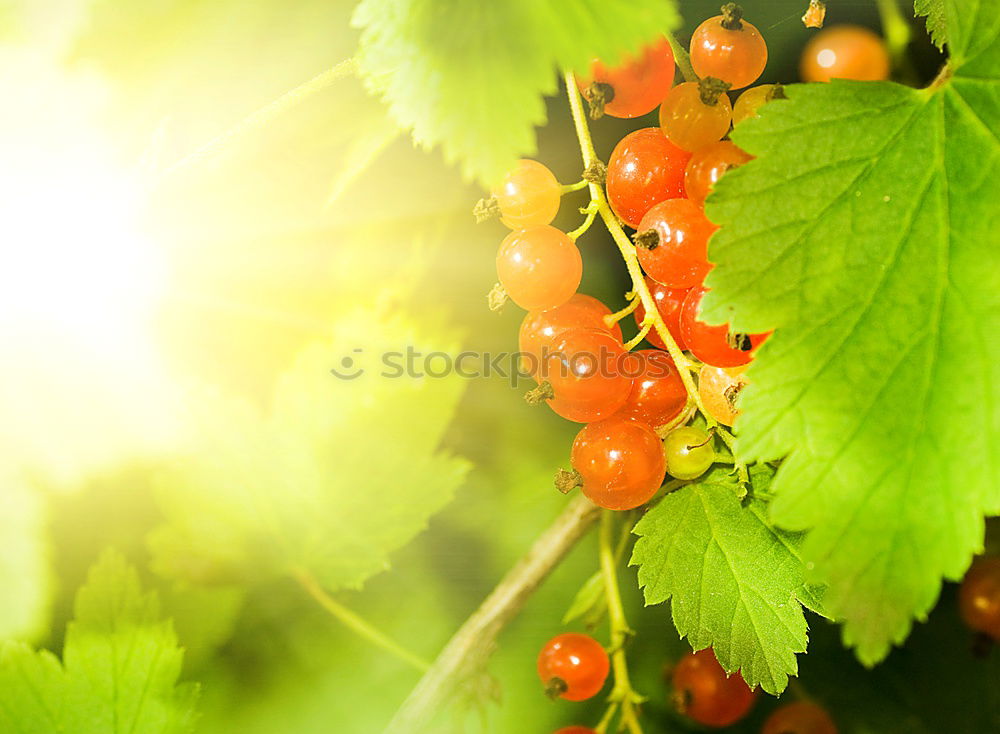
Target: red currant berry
[715, 345]
[800, 717]
[692, 118]
[673, 243]
[529, 196]
[749, 103]
[708, 165]
[979, 597]
[658, 394]
[576, 730]
[703, 692]
[586, 375]
[541, 329]
[719, 388]
[845, 52]
[573, 666]
[539, 268]
[668, 303]
[644, 169]
[635, 87]
[728, 48]
[620, 461]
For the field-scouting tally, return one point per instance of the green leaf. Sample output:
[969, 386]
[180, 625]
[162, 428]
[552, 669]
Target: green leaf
[933, 10]
[589, 601]
[119, 673]
[469, 75]
[734, 582]
[336, 475]
[867, 232]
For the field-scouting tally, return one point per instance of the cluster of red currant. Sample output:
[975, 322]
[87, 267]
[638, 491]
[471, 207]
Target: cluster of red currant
[574, 667]
[637, 404]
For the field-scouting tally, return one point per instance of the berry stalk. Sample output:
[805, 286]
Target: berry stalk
[627, 249]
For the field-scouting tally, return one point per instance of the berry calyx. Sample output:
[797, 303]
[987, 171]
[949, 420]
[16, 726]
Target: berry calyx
[539, 268]
[529, 196]
[979, 597]
[633, 88]
[644, 169]
[573, 666]
[729, 48]
[695, 114]
[799, 717]
[704, 693]
[689, 452]
[715, 345]
[673, 243]
[620, 461]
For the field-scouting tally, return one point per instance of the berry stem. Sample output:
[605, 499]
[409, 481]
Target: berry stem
[591, 211]
[612, 319]
[355, 623]
[628, 251]
[622, 695]
[570, 188]
[897, 31]
[643, 332]
[468, 651]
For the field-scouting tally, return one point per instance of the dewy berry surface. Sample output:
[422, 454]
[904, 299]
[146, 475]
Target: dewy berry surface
[644, 169]
[540, 330]
[529, 196]
[637, 85]
[573, 666]
[586, 375]
[621, 462]
[673, 243]
[539, 268]
[736, 55]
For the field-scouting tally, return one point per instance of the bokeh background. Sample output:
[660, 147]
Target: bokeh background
[151, 278]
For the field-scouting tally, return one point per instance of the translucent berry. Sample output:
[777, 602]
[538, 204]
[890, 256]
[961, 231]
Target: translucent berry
[692, 118]
[539, 268]
[845, 52]
[573, 666]
[620, 462]
[704, 693]
[586, 378]
[749, 103]
[644, 169]
[658, 394]
[715, 345]
[710, 164]
[800, 717]
[633, 88]
[529, 196]
[979, 597]
[672, 243]
[729, 48]
[720, 388]
[689, 452]
[540, 330]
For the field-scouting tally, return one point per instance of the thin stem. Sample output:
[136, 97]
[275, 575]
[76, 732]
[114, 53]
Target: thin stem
[682, 57]
[469, 649]
[627, 249]
[578, 186]
[622, 694]
[263, 116]
[591, 212]
[357, 624]
[617, 316]
[643, 333]
[896, 29]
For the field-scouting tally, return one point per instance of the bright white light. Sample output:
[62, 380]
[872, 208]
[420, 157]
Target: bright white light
[82, 383]
[826, 58]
